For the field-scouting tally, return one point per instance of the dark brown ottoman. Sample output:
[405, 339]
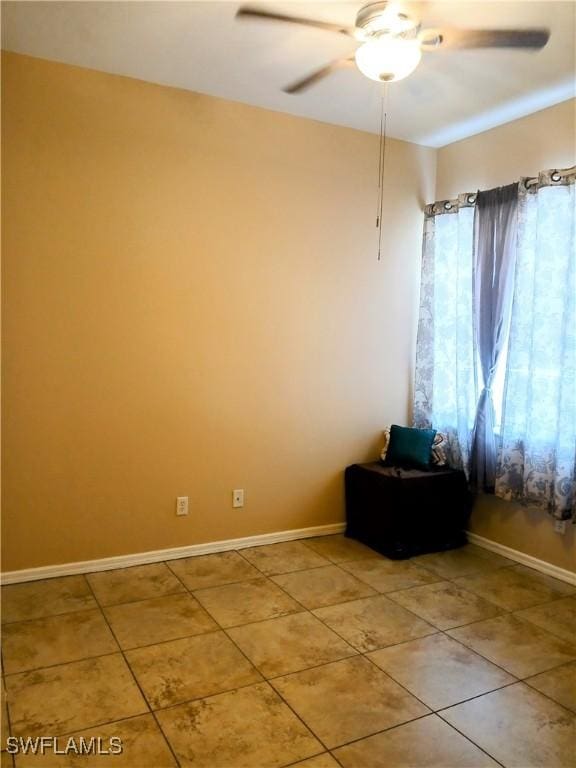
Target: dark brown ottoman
[404, 512]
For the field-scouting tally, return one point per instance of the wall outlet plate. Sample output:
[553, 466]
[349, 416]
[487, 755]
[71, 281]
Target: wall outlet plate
[238, 497]
[181, 505]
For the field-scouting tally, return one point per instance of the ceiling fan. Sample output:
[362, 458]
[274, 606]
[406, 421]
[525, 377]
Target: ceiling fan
[391, 41]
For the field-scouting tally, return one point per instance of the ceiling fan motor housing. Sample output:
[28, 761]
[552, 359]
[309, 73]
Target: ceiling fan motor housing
[377, 19]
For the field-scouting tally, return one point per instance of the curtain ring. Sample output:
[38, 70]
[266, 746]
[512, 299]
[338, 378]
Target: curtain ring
[471, 199]
[555, 176]
[448, 205]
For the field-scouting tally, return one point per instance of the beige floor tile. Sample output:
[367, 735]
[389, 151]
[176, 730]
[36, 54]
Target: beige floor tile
[143, 746]
[373, 622]
[561, 587]
[323, 586]
[284, 557]
[558, 617]
[141, 582]
[389, 575]
[464, 561]
[425, 743]
[320, 761]
[509, 589]
[339, 548]
[289, 644]
[247, 728]
[519, 727]
[558, 684]
[163, 618]
[519, 647]
[347, 700]
[440, 671]
[255, 600]
[56, 640]
[181, 670]
[213, 570]
[36, 599]
[445, 605]
[72, 696]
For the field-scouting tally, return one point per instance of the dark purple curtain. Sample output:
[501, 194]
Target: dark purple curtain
[495, 227]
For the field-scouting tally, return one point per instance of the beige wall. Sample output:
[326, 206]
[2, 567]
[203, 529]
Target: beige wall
[526, 529]
[524, 147]
[546, 139]
[192, 304]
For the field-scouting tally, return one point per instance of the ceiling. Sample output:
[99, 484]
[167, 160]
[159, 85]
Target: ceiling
[199, 46]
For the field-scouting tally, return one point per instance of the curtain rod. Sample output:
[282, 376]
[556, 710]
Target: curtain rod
[554, 177]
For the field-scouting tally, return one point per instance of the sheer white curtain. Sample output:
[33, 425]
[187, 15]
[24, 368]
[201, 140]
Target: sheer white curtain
[446, 390]
[538, 431]
[535, 409]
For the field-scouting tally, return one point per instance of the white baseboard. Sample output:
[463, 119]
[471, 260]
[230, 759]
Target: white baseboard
[143, 558]
[521, 557]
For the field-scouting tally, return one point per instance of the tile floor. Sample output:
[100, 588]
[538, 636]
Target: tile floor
[317, 653]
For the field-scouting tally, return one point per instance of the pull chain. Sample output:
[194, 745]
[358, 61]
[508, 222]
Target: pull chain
[381, 164]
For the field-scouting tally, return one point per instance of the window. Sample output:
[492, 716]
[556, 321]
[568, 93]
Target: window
[534, 389]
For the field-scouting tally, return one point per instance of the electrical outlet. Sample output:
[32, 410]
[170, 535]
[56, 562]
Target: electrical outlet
[181, 505]
[560, 526]
[238, 497]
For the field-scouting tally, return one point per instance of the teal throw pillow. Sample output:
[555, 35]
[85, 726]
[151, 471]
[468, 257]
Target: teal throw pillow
[410, 447]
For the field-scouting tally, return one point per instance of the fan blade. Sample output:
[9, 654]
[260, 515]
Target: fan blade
[319, 74]
[255, 13]
[451, 38]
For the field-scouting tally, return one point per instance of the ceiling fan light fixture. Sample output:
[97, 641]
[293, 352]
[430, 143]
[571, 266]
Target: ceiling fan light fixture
[388, 59]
